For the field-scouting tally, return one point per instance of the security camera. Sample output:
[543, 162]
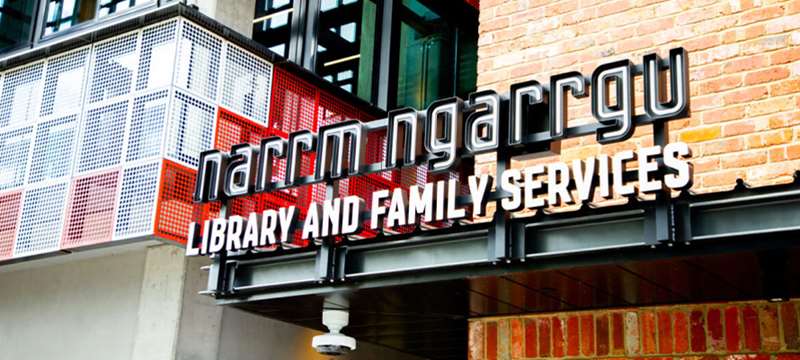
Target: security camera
[334, 343]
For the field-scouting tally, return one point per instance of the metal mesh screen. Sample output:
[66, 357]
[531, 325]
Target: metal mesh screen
[191, 128]
[14, 150]
[9, 218]
[64, 82]
[102, 138]
[157, 59]
[53, 149]
[147, 125]
[22, 91]
[294, 103]
[175, 206]
[199, 55]
[115, 63]
[42, 217]
[137, 201]
[90, 214]
[246, 84]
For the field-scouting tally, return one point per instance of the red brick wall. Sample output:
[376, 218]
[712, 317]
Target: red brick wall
[744, 62]
[731, 331]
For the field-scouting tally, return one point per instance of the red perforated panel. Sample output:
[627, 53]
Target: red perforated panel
[175, 209]
[333, 110]
[90, 213]
[294, 103]
[9, 222]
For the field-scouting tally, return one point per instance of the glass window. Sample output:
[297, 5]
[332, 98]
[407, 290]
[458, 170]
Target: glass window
[272, 25]
[15, 22]
[437, 57]
[346, 44]
[64, 14]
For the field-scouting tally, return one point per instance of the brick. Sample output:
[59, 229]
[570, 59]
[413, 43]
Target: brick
[745, 95]
[544, 337]
[770, 106]
[766, 75]
[648, 336]
[491, 340]
[631, 333]
[752, 335]
[665, 339]
[742, 64]
[587, 334]
[503, 340]
[785, 56]
[732, 336]
[721, 115]
[618, 333]
[531, 340]
[700, 134]
[791, 333]
[793, 151]
[681, 332]
[558, 337]
[573, 336]
[477, 336]
[698, 331]
[745, 159]
[517, 339]
[602, 333]
[789, 86]
[738, 128]
[761, 14]
[715, 330]
[768, 321]
[723, 146]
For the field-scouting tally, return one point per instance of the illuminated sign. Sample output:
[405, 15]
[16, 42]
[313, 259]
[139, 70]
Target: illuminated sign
[448, 130]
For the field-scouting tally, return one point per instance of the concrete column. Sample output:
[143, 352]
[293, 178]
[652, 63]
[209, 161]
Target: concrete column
[236, 14]
[160, 303]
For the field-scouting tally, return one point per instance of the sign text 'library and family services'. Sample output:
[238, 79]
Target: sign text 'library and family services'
[531, 116]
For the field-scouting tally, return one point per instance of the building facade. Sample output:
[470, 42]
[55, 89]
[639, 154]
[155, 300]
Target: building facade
[607, 179]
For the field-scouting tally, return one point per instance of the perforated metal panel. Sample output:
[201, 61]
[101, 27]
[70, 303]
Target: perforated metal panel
[64, 83]
[191, 127]
[90, 213]
[147, 125]
[54, 149]
[21, 96]
[157, 59]
[137, 201]
[9, 218]
[42, 217]
[102, 137]
[199, 55]
[115, 63]
[14, 151]
[175, 209]
[246, 84]
[294, 103]
[333, 110]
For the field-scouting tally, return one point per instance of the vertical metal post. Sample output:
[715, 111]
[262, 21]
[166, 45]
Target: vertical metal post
[389, 50]
[663, 221]
[500, 236]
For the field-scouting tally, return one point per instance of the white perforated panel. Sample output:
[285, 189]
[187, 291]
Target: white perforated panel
[246, 85]
[54, 149]
[64, 82]
[199, 55]
[22, 91]
[137, 201]
[115, 63]
[102, 138]
[14, 150]
[191, 128]
[147, 125]
[157, 60]
[42, 218]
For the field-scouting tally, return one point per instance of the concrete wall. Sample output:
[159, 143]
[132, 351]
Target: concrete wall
[236, 14]
[137, 303]
[76, 310]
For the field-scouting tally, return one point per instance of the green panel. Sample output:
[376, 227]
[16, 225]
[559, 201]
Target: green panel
[743, 220]
[275, 273]
[431, 255]
[605, 234]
